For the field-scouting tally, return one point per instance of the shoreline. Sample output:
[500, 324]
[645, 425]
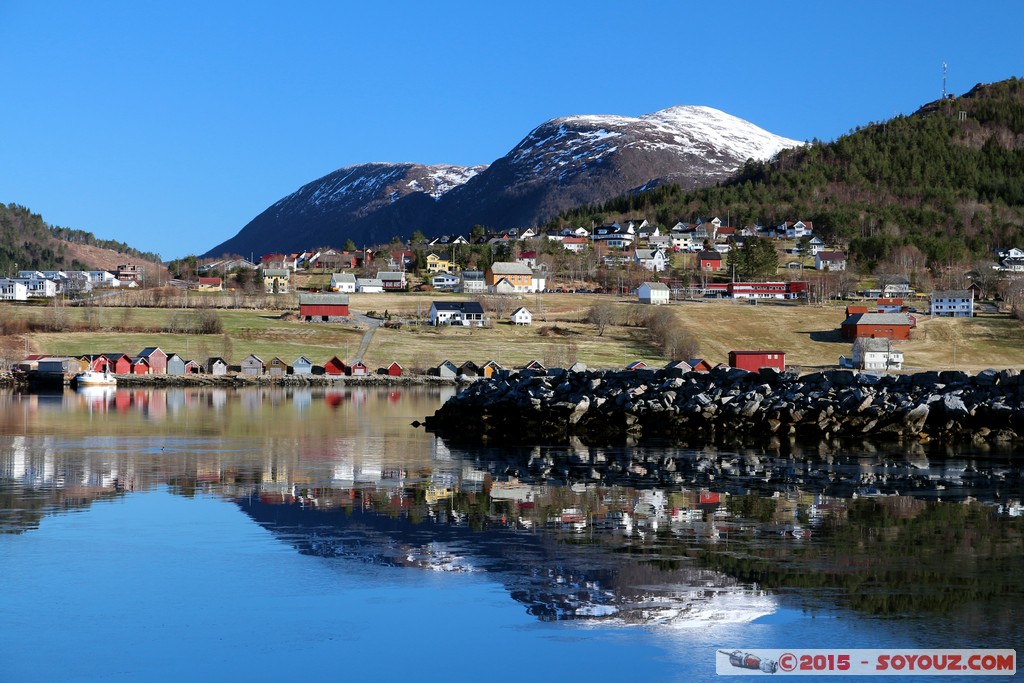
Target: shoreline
[239, 380]
[732, 406]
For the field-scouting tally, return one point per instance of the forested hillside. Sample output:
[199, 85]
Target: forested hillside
[948, 180]
[28, 243]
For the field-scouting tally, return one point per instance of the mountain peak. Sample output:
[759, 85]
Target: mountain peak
[560, 164]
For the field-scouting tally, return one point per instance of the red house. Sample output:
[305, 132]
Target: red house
[358, 369]
[323, 307]
[334, 367]
[394, 370]
[755, 360]
[709, 260]
[140, 366]
[156, 358]
[880, 325]
[118, 363]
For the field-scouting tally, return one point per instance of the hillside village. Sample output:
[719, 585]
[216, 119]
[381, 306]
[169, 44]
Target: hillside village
[495, 273]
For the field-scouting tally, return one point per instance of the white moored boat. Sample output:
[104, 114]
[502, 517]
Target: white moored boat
[92, 378]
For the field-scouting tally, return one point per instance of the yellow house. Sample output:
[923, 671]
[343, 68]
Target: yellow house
[275, 280]
[518, 275]
[437, 263]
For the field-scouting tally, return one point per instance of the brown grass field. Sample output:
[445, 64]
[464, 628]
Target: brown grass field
[559, 336]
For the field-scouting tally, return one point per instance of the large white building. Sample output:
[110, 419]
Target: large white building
[957, 303]
[12, 290]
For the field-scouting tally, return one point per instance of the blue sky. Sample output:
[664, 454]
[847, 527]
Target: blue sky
[170, 126]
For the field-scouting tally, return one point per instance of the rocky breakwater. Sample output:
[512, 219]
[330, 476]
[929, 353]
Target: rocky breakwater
[734, 406]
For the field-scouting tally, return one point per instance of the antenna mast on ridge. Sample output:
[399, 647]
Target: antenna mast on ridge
[943, 80]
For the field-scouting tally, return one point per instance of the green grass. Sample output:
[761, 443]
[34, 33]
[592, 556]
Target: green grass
[808, 334]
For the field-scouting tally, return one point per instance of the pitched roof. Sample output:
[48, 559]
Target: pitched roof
[459, 306]
[709, 256]
[506, 268]
[307, 299]
[877, 319]
[952, 294]
[831, 256]
[656, 286]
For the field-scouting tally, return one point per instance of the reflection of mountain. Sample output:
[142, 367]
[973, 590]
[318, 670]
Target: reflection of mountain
[555, 579]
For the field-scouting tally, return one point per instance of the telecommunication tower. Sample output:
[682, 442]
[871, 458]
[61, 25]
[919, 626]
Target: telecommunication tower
[943, 80]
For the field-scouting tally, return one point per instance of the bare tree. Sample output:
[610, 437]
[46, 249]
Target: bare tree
[601, 315]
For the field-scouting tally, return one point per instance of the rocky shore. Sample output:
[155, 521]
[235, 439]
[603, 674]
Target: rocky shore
[730, 406]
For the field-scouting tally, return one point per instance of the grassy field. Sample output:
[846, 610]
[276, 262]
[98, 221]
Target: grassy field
[559, 336]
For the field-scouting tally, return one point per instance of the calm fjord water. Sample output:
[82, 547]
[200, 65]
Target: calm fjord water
[269, 533]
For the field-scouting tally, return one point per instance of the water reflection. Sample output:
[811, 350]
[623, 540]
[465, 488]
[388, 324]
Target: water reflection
[626, 535]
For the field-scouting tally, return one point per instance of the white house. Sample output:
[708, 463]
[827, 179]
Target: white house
[472, 282]
[651, 259]
[683, 241]
[540, 280]
[521, 316]
[368, 285]
[12, 290]
[38, 287]
[343, 282]
[653, 293]
[444, 280]
[830, 260]
[955, 303]
[456, 313]
[575, 244]
[875, 353]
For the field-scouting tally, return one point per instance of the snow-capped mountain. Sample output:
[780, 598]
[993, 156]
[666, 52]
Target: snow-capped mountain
[562, 163]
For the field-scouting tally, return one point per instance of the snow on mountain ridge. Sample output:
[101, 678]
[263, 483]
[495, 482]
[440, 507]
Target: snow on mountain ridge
[718, 138]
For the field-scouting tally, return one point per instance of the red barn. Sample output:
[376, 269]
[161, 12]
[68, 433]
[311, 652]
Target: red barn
[323, 307]
[755, 360]
[334, 367]
[709, 260]
[140, 366]
[357, 369]
[394, 370]
[880, 325]
[156, 358]
[118, 363]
